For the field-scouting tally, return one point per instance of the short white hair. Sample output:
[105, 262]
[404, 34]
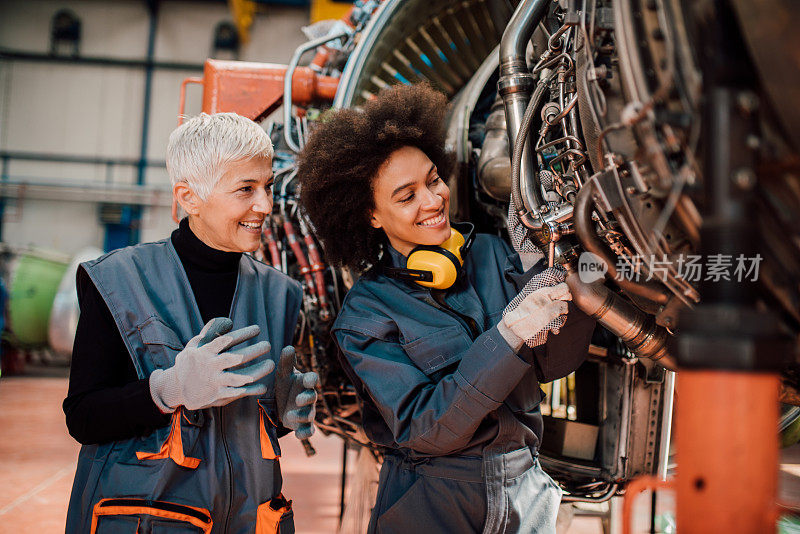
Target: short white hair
[200, 149]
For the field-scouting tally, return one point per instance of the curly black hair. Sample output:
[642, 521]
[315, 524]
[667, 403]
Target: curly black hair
[346, 150]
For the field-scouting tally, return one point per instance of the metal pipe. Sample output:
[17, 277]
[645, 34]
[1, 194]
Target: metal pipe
[666, 425]
[494, 164]
[549, 62]
[567, 153]
[287, 83]
[86, 192]
[551, 41]
[148, 90]
[182, 102]
[525, 193]
[584, 228]
[637, 329]
[565, 110]
[526, 17]
[64, 158]
[611, 489]
[564, 139]
[515, 87]
[626, 406]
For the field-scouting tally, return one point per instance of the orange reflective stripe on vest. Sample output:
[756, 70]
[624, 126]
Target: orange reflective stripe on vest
[199, 517]
[267, 450]
[268, 518]
[173, 446]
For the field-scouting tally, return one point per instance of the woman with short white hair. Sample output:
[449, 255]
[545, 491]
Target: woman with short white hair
[179, 428]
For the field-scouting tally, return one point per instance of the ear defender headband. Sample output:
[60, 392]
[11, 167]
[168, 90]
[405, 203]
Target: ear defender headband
[437, 266]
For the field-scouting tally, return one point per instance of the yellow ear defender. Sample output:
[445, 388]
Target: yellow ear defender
[437, 266]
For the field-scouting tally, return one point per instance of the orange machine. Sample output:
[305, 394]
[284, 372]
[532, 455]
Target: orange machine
[727, 454]
[255, 90]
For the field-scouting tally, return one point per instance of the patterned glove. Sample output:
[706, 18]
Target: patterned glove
[296, 395]
[537, 294]
[528, 252]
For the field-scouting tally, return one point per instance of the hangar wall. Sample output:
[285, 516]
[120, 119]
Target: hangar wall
[73, 109]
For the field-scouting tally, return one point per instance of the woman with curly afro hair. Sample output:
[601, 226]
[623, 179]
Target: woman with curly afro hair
[437, 333]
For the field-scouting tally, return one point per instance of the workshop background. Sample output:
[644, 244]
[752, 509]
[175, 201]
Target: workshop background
[89, 93]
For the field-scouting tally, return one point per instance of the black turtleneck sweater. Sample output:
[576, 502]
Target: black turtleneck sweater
[106, 400]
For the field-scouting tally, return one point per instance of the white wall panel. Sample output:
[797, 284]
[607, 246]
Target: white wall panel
[108, 29]
[116, 29]
[77, 110]
[186, 30]
[26, 25]
[62, 226]
[96, 111]
[156, 224]
[275, 35]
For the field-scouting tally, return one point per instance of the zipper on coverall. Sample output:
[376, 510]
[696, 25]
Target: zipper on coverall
[230, 467]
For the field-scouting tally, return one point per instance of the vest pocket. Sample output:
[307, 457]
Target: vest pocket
[172, 448]
[275, 517]
[268, 430]
[143, 516]
[161, 342]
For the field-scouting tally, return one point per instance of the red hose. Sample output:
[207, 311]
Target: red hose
[272, 246]
[305, 269]
[318, 269]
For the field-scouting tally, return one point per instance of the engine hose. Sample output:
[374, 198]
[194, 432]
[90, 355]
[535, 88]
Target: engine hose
[584, 228]
[519, 142]
[272, 246]
[318, 271]
[305, 268]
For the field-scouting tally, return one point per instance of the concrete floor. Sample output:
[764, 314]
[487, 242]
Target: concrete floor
[37, 464]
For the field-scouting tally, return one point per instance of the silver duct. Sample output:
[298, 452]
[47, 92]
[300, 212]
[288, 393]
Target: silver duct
[637, 329]
[494, 164]
[515, 87]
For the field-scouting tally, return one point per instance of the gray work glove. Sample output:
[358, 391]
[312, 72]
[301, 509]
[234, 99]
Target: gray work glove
[296, 395]
[528, 252]
[539, 308]
[203, 374]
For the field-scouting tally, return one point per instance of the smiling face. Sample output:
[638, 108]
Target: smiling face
[411, 201]
[230, 218]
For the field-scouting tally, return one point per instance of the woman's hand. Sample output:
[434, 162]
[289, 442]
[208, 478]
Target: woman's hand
[296, 395]
[532, 314]
[202, 376]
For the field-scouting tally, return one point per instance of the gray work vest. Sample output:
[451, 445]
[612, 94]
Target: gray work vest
[212, 470]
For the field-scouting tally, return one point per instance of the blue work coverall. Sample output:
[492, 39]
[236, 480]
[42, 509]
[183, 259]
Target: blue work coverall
[455, 409]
